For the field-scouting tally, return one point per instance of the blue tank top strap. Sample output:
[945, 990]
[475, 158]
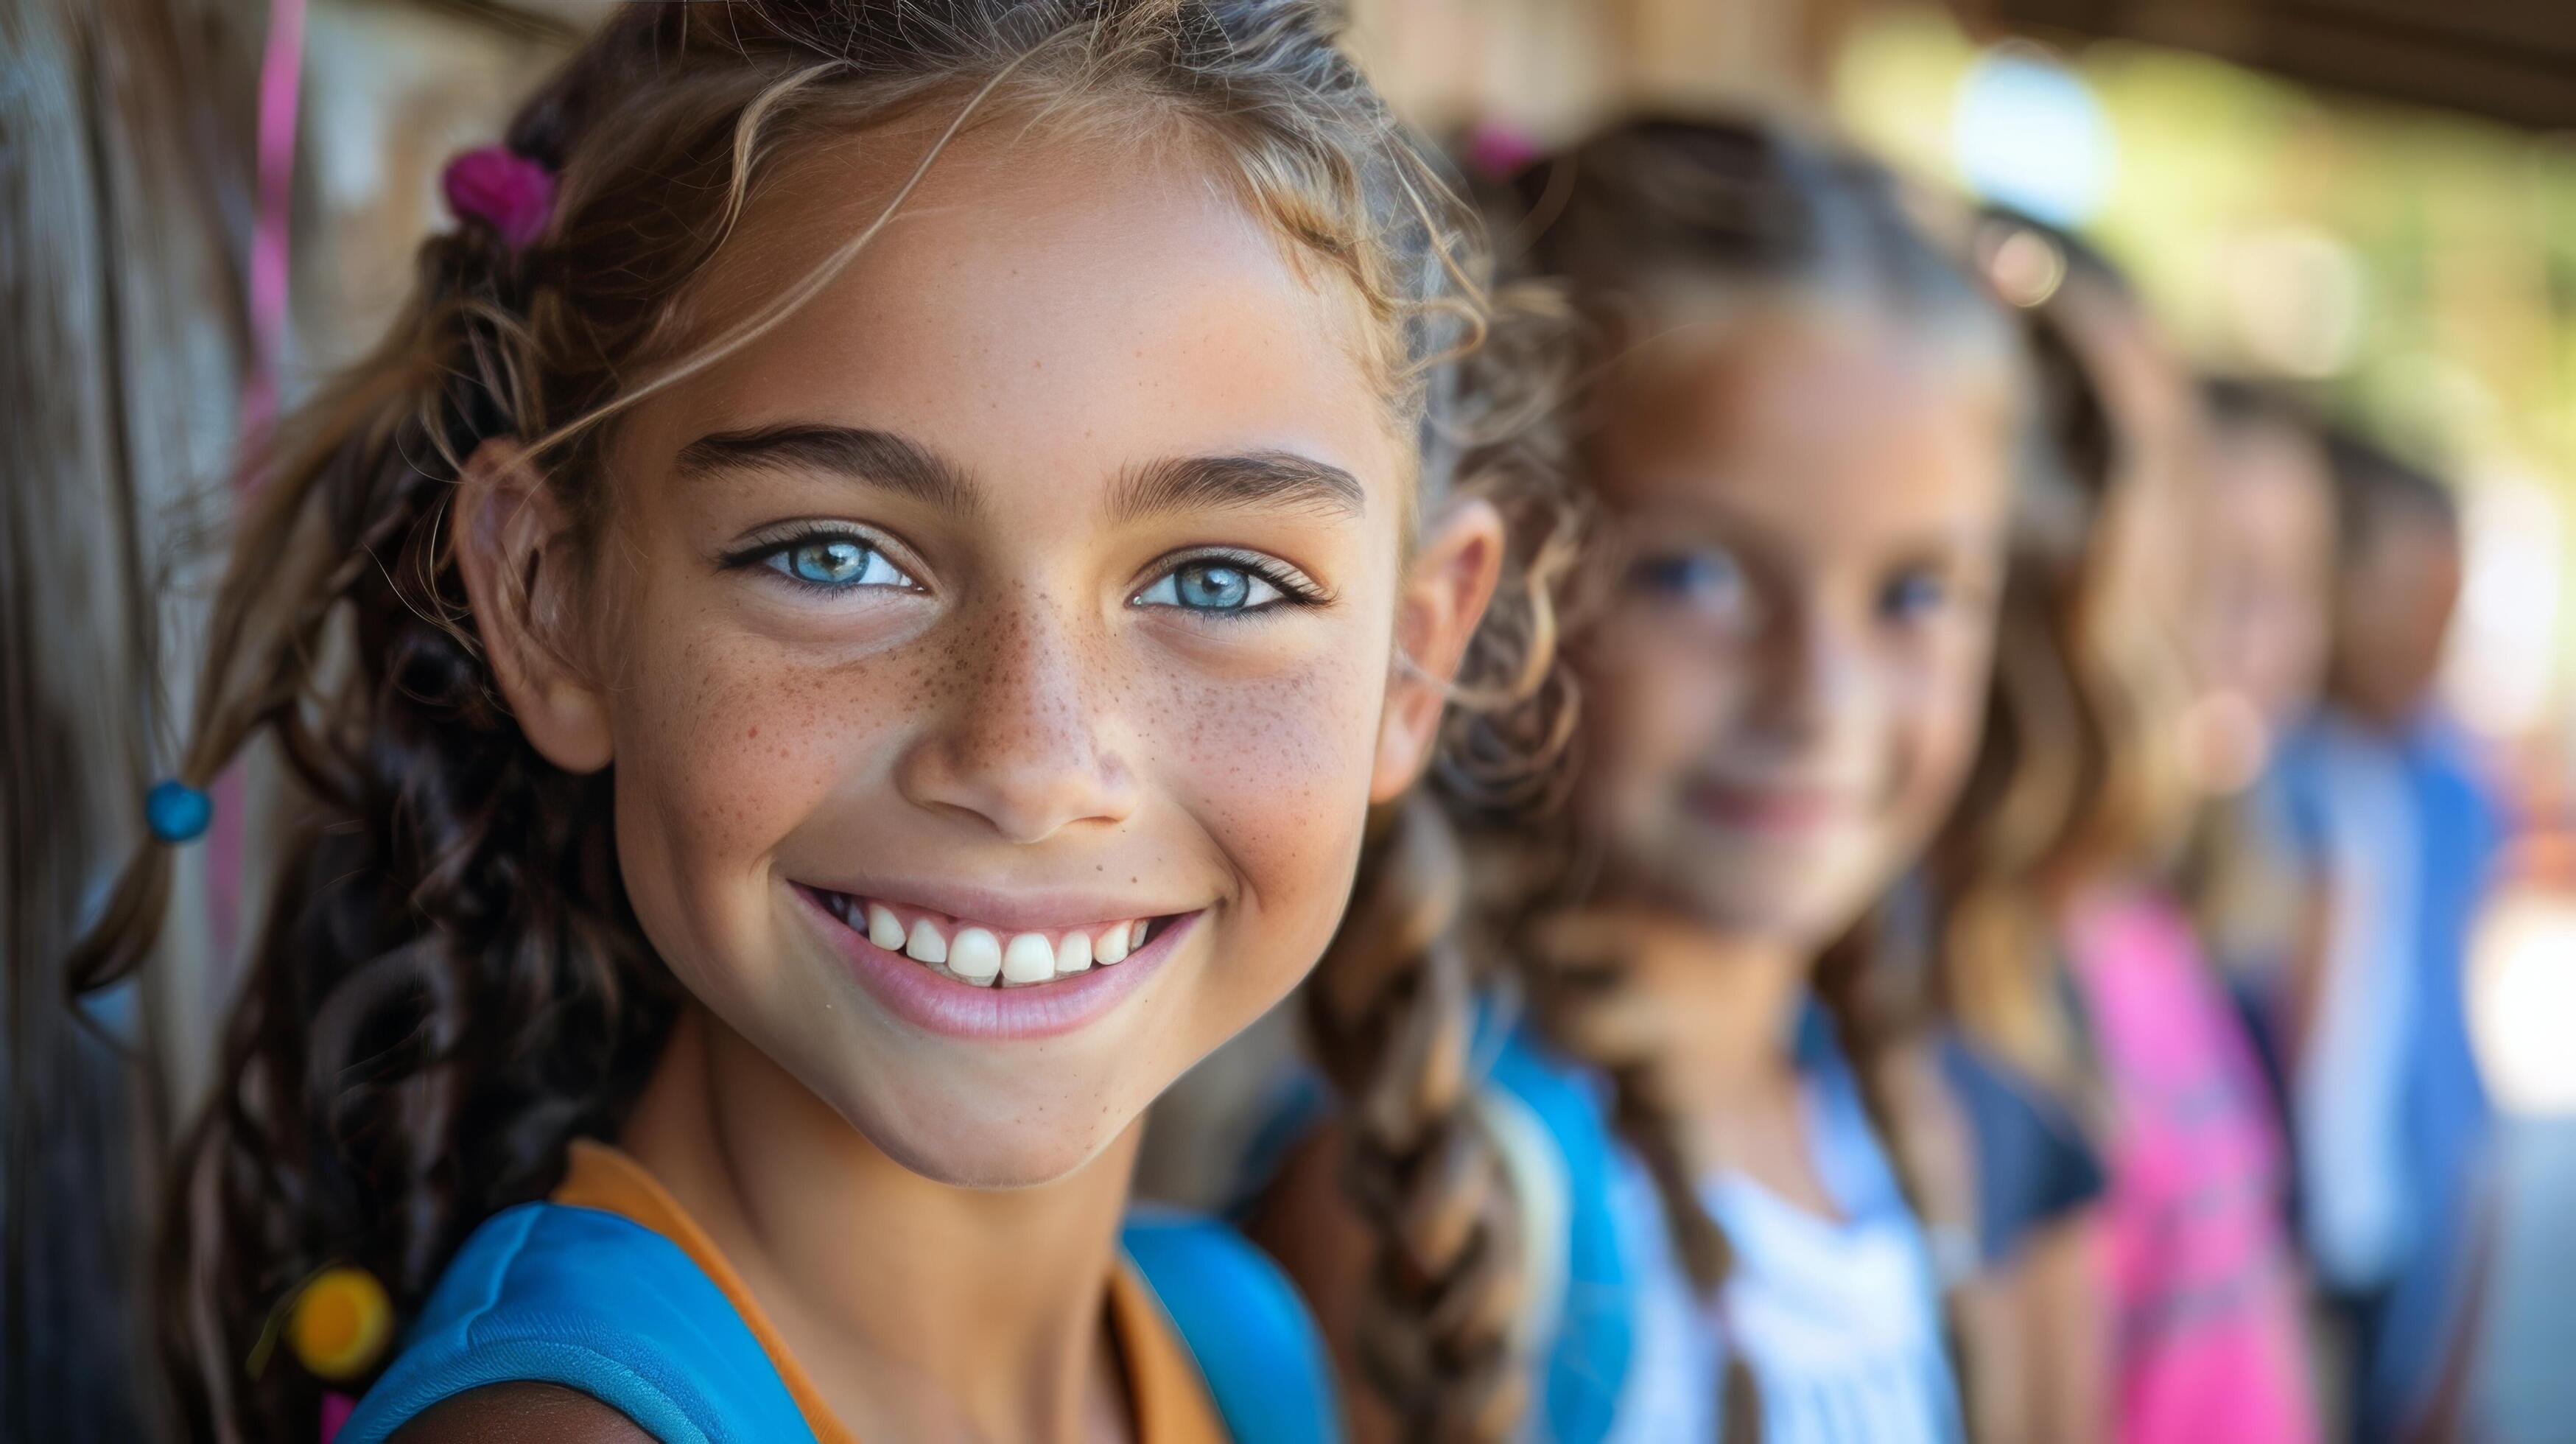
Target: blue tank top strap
[1587, 1360]
[545, 1293]
[1242, 1322]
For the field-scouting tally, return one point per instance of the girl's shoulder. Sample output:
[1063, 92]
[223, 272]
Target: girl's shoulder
[589, 1301]
[522, 1414]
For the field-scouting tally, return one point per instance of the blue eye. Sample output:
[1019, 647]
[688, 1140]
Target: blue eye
[1709, 579]
[1213, 584]
[835, 561]
[1913, 596]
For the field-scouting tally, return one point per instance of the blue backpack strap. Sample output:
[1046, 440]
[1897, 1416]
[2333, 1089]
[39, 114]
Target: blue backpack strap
[2033, 1163]
[1587, 1361]
[544, 1293]
[1243, 1323]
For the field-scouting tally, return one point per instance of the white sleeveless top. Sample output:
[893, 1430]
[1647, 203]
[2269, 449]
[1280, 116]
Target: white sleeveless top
[1839, 1321]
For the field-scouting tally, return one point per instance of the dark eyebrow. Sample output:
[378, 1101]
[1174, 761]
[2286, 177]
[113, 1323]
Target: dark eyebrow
[880, 458]
[1280, 479]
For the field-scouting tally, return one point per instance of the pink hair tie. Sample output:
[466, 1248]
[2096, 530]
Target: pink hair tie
[505, 190]
[1498, 151]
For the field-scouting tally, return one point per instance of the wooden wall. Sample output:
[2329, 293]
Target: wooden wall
[124, 176]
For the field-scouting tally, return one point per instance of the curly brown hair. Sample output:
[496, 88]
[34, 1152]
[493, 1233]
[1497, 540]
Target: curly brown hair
[450, 985]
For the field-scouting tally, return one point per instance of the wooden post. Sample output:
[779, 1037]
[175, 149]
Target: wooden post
[123, 153]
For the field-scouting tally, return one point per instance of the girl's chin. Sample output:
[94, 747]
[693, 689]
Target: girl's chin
[1804, 913]
[1002, 1137]
[1004, 1158]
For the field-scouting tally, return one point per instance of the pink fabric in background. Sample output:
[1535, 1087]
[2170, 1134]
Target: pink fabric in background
[2210, 1343]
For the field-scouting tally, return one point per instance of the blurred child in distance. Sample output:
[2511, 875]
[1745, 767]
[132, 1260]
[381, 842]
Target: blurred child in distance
[2256, 627]
[2390, 1116]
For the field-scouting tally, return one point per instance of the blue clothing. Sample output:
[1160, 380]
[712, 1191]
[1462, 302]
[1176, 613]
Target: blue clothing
[593, 1301]
[1836, 1319]
[1244, 1324]
[2034, 1165]
[2346, 1087]
[2439, 1116]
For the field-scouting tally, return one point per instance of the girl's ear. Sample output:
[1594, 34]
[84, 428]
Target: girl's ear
[509, 542]
[1444, 597]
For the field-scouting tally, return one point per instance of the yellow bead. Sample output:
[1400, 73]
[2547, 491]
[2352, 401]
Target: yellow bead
[341, 1324]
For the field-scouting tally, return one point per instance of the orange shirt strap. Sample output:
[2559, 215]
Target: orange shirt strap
[1164, 1385]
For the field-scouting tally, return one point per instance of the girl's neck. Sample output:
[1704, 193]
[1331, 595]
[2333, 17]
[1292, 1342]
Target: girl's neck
[1736, 1000]
[920, 1310]
[1730, 1073]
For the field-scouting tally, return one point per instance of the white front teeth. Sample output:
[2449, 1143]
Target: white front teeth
[976, 956]
[884, 928]
[982, 956]
[1112, 947]
[1028, 960]
[926, 944]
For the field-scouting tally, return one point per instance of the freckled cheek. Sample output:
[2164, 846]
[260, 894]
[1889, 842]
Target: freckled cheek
[1276, 769]
[735, 745]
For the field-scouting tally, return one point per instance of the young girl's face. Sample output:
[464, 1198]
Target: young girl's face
[2260, 596]
[1788, 690]
[995, 657]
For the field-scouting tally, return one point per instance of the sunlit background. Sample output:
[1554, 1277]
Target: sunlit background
[2399, 242]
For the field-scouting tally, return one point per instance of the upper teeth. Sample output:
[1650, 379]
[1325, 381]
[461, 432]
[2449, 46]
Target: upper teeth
[983, 956]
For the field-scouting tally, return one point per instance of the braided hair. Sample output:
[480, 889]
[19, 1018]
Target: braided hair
[1389, 1012]
[450, 983]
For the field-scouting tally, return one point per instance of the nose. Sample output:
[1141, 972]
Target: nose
[1024, 744]
[1817, 681]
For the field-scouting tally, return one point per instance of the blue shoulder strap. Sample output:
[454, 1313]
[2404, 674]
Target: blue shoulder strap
[1588, 1361]
[545, 1293]
[1243, 1323]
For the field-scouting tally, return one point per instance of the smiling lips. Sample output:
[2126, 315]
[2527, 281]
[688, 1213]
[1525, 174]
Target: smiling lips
[986, 957]
[1769, 808]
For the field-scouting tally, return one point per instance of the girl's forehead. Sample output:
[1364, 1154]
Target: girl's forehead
[1791, 374]
[1807, 422]
[1041, 304]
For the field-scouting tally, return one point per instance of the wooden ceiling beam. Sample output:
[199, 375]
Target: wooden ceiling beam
[2509, 60]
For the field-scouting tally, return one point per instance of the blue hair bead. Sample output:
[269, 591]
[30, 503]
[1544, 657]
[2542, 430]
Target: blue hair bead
[177, 812]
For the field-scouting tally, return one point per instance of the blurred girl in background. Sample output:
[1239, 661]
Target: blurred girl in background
[2257, 633]
[851, 632]
[2206, 1342]
[1812, 436]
